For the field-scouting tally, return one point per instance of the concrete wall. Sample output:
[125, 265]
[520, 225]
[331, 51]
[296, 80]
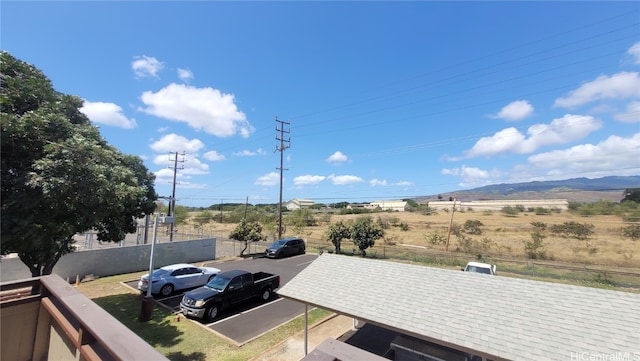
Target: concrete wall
[118, 260]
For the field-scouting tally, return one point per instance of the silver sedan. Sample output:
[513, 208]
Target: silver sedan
[177, 277]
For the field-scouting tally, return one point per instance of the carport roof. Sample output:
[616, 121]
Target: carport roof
[491, 316]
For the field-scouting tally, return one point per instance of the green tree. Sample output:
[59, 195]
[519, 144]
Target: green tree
[247, 232]
[181, 214]
[631, 195]
[535, 249]
[364, 233]
[59, 176]
[336, 233]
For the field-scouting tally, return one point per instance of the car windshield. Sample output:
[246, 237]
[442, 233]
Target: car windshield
[479, 269]
[279, 243]
[218, 283]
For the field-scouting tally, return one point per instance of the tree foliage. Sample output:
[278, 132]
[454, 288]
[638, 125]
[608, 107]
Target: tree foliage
[364, 233]
[573, 230]
[59, 176]
[336, 233]
[631, 195]
[246, 232]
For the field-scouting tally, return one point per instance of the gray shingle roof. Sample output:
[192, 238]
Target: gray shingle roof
[491, 316]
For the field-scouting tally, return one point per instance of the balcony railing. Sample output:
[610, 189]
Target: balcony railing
[60, 323]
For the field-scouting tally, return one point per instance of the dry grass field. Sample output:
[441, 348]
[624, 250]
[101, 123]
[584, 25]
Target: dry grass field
[502, 236]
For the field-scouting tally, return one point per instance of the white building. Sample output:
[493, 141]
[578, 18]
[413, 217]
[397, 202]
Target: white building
[294, 204]
[496, 205]
[396, 206]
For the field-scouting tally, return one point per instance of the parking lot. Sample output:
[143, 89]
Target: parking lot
[247, 321]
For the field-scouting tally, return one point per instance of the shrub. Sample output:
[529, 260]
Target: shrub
[632, 231]
[509, 211]
[534, 249]
[473, 227]
[573, 229]
[437, 239]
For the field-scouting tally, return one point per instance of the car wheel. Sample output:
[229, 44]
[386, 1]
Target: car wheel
[266, 294]
[212, 312]
[166, 290]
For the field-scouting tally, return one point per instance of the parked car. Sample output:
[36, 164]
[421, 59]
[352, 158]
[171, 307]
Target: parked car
[176, 277]
[478, 267]
[228, 289]
[285, 247]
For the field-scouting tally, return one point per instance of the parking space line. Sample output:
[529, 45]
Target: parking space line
[244, 312]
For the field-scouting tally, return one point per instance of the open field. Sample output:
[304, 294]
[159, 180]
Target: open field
[501, 237]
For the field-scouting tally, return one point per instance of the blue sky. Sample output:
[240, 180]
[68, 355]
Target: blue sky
[383, 100]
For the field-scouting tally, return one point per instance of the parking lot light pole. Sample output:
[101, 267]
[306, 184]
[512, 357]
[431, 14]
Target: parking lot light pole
[147, 300]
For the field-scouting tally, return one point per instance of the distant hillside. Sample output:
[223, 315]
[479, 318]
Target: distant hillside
[575, 190]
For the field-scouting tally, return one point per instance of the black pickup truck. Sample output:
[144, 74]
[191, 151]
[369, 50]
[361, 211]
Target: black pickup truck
[228, 289]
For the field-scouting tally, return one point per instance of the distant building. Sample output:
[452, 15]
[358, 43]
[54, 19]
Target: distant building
[496, 205]
[396, 206]
[294, 204]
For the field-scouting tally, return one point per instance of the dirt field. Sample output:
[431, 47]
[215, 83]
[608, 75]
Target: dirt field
[501, 236]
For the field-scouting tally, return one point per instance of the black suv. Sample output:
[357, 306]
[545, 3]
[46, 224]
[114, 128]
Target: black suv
[285, 247]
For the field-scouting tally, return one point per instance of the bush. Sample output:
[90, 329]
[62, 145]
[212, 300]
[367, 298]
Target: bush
[473, 227]
[437, 239]
[573, 230]
[509, 211]
[541, 211]
[534, 249]
[632, 231]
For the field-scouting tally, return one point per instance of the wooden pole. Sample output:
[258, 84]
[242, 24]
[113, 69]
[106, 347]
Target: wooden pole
[453, 210]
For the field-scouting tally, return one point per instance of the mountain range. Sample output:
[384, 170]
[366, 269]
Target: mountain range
[575, 190]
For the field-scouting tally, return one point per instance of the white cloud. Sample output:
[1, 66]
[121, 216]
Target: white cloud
[269, 179]
[610, 157]
[337, 157]
[308, 179]
[622, 85]
[516, 110]
[561, 130]
[634, 51]
[185, 74]
[404, 183]
[213, 156]
[186, 164]
[201, 108]
[344, 179]
[249, 153]
[377, 183]
[631, 115]
[108, 114]
[505, 141]
[176, 143]
[144, 66]
[165, 176]
[450, 171]
[472, 176]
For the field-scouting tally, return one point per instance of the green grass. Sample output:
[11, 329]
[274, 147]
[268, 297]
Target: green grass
[176, 337]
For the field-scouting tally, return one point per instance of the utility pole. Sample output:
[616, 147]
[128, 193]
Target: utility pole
[172, 201]
[453, 210]
[284, 144]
